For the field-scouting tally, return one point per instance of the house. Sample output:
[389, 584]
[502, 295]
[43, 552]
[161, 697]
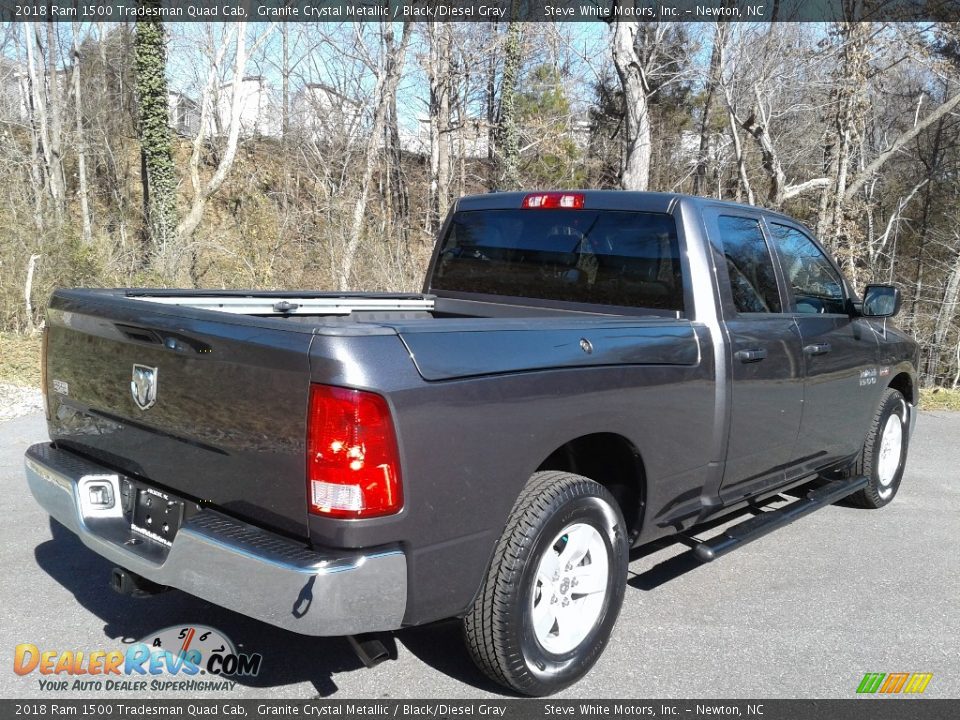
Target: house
[471, 138]
[322, 112]
[184, 114]
[260, 112]
[14, 91]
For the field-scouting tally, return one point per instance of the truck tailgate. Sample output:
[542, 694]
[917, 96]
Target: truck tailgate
[212, 410]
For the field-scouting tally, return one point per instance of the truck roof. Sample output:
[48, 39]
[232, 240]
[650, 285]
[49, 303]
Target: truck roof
[607, 200]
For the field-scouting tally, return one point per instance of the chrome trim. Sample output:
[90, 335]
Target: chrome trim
[232, 563]
[266, 305]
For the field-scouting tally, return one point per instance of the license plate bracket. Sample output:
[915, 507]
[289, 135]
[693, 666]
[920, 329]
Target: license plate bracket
[156, 515]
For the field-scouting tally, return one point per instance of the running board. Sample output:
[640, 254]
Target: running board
[759, 525]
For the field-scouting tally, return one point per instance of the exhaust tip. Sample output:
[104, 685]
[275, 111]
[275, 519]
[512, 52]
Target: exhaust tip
[369, 648]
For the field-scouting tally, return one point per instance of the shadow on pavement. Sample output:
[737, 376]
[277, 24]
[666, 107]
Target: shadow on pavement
[288, 658]
[684, 561]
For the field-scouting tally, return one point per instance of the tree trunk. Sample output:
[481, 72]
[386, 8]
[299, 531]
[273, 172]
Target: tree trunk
[438, 70]
[285, 72]
[945, 316]
[635, 165]
[508, 140]
[743, 180]
[490, 100]
[28, 291]
[202, 193]
[956, 378]
[932, 167]
[81, 146]
[38, 99]
[54, 94]
[704, 161]
[37, 147]
[158, 178]
[386, 87]
[398, 199]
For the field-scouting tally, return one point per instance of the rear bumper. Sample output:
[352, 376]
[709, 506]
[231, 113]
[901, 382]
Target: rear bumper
[228, 562]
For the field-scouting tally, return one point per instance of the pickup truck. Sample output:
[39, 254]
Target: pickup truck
[585, 372]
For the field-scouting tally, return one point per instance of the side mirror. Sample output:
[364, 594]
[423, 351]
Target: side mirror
[881, 301]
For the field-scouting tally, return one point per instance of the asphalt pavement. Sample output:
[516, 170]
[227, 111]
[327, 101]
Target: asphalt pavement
[801, 613]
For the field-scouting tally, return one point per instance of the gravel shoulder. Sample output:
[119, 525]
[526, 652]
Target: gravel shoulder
[17, 401]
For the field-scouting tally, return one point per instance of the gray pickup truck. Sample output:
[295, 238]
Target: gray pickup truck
[584, 372]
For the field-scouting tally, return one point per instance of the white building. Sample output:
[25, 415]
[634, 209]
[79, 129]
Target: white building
[322, 112]
[14, 91]
[260, 113]
[471, 139]
[184, 114]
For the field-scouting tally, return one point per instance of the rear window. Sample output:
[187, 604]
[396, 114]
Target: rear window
[604, 257]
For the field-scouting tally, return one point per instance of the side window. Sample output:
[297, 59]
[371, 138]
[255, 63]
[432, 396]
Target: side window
[817, 287]
[752, 279]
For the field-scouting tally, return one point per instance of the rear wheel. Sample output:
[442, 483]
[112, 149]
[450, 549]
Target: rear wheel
[554, 588]
[884, 452]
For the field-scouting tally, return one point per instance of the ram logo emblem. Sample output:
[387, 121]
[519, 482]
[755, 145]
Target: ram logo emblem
[143, 387]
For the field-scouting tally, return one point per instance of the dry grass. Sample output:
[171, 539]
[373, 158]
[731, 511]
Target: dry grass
[20, 359]
[940, 399]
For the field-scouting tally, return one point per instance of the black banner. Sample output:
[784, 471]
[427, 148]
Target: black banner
[479, 10]
[853, 709]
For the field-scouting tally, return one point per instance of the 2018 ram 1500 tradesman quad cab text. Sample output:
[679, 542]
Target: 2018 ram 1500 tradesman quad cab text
[584, 372]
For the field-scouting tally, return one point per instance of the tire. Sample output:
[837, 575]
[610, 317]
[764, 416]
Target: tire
[529, 629]
[884, 452]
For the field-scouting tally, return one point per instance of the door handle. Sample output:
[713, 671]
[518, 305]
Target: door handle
[817, 349]
[749, 356]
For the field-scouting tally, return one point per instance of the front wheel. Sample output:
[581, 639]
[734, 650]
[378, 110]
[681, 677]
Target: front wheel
[884, 451]
[554, 588]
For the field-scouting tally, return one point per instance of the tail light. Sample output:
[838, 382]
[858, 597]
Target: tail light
[552, 200]
[353, 465]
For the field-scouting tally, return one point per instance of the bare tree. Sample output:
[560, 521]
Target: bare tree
[440, 39]
[41, 91]
[388, 75]
[710, 87]
[202, 192]
[81, 143]
[28, 291]
[55, 89]
[635, 168]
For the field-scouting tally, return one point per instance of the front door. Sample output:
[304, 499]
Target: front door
[839, 351]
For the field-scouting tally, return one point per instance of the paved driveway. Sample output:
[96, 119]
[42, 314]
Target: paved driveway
[804, 612]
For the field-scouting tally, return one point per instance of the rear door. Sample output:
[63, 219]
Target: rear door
[765, 356]
[839, 352]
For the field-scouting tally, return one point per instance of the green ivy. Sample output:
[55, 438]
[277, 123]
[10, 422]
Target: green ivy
[160, 182]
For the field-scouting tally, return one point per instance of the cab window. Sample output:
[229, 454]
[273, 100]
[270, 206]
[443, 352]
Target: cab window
[753, 281]
[817, 286]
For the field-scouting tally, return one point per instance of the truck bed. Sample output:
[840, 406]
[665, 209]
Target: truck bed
[233, 372]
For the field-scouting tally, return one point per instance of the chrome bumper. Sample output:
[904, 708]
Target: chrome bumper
[228, 562]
